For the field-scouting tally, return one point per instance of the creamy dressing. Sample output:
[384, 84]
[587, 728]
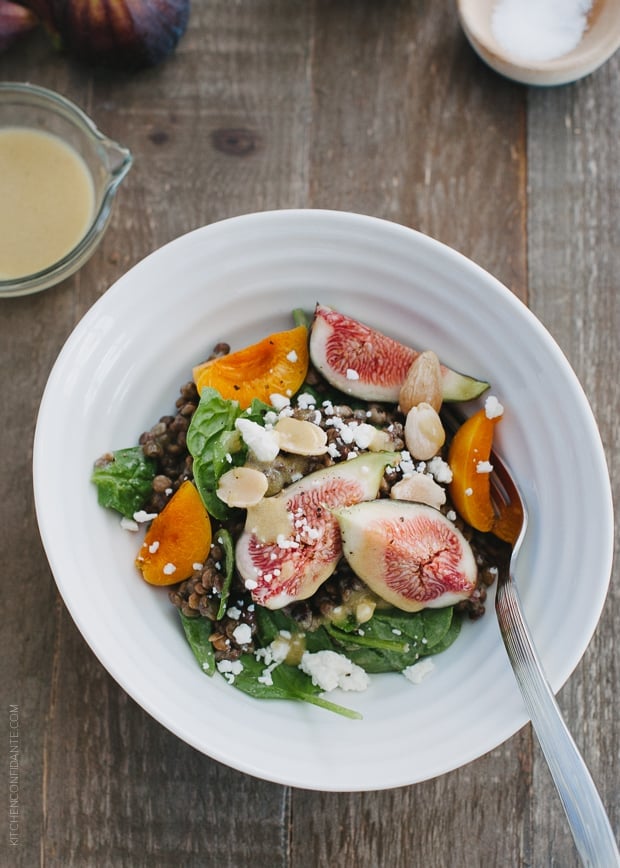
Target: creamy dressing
[47, 200]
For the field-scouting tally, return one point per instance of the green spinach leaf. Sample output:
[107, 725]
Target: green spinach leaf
[283, 682]
[197, 632]
[125, 482]
[216, 445]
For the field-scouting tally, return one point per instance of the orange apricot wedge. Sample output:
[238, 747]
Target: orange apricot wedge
[178, 538]
[469, 453]
[276, 365]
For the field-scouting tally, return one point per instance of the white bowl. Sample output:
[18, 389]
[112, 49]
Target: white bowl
[599, 42]
[236, 281]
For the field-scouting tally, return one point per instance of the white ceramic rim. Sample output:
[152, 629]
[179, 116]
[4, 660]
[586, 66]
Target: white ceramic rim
[281, 258]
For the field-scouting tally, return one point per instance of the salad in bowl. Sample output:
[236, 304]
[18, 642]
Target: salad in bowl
[316, 521]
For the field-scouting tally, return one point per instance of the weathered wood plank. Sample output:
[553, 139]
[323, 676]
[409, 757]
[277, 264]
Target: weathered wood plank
[574, 262]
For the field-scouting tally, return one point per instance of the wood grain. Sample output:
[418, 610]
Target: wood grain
[375, 106]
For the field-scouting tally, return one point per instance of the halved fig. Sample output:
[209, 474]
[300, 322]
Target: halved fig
[409, 554]
[366, 364]
[291, 541]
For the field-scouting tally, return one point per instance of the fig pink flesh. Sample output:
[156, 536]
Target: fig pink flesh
[367, 364]
[342, 347]
[408, 553]
[292, 567]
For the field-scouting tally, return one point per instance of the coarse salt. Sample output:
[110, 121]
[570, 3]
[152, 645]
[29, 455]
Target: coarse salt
[539, 30]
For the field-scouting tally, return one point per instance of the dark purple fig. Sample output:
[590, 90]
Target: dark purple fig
[15, 21]
[126, 34]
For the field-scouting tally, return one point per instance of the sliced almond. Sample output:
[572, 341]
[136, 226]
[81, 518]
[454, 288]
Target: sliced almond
[300, 437]
[422, 383]
[242, 487]
[424, 432]
[420, 488]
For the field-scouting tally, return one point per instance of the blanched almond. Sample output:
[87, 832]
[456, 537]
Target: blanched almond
[424, 433]
[242, 487]
[300, 437]
[422, 383]
[420, 488]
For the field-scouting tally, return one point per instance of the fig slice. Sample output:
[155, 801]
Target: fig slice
[409, 554]
[367, 364]
[291, 541]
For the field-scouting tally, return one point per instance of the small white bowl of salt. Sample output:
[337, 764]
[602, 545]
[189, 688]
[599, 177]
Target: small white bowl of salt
[542, 42]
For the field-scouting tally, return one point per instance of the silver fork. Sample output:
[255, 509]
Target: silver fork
[587, 818]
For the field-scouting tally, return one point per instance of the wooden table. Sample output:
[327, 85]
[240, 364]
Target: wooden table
[375, 107]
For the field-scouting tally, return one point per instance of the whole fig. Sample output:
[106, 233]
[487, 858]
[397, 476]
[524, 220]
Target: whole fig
[15, 21]
[126, 34]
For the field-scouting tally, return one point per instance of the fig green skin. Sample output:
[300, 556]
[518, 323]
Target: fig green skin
[366, 364]
[301, 555]
[408, 553]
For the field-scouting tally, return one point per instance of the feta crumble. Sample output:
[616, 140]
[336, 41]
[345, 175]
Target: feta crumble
[242, 634]
[484, 467]
[129, 524]
[263, 443]
[492, 408]
[417, 672]
[352, 374]
[142, 516]
[329, 670]
[169, 569]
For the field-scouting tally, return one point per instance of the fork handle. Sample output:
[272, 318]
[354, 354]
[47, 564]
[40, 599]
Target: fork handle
[587, 818]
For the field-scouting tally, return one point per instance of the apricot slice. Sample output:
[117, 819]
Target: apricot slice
[178, 538]
[468, 458]
[276, 365]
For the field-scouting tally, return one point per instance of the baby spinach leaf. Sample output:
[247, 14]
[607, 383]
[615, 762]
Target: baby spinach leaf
[216, 445]
[124, 483]
[225, 539]
[391, 641]
[197, 632]
[283, 682]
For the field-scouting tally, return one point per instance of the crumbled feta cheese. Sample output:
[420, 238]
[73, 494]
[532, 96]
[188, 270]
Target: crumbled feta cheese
[141, 516]
[329, 670]
[279, 401]
[469, 492]
[292, 356]
[197, 566]
[234, 613]
[154, 546]
[451, 515]
[230, 668]
[242, 634]
[417, 672]
[484, 467]
[439, 469]
[306, 401]
[493, 408]
[263, 443]
[169, 569]
[251, 584]
[129, 524]
[352, 374]
[363, 435]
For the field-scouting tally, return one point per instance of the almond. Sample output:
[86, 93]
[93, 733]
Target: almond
[424, 433]
[300, 437]
[242, 487]
[422, 384]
